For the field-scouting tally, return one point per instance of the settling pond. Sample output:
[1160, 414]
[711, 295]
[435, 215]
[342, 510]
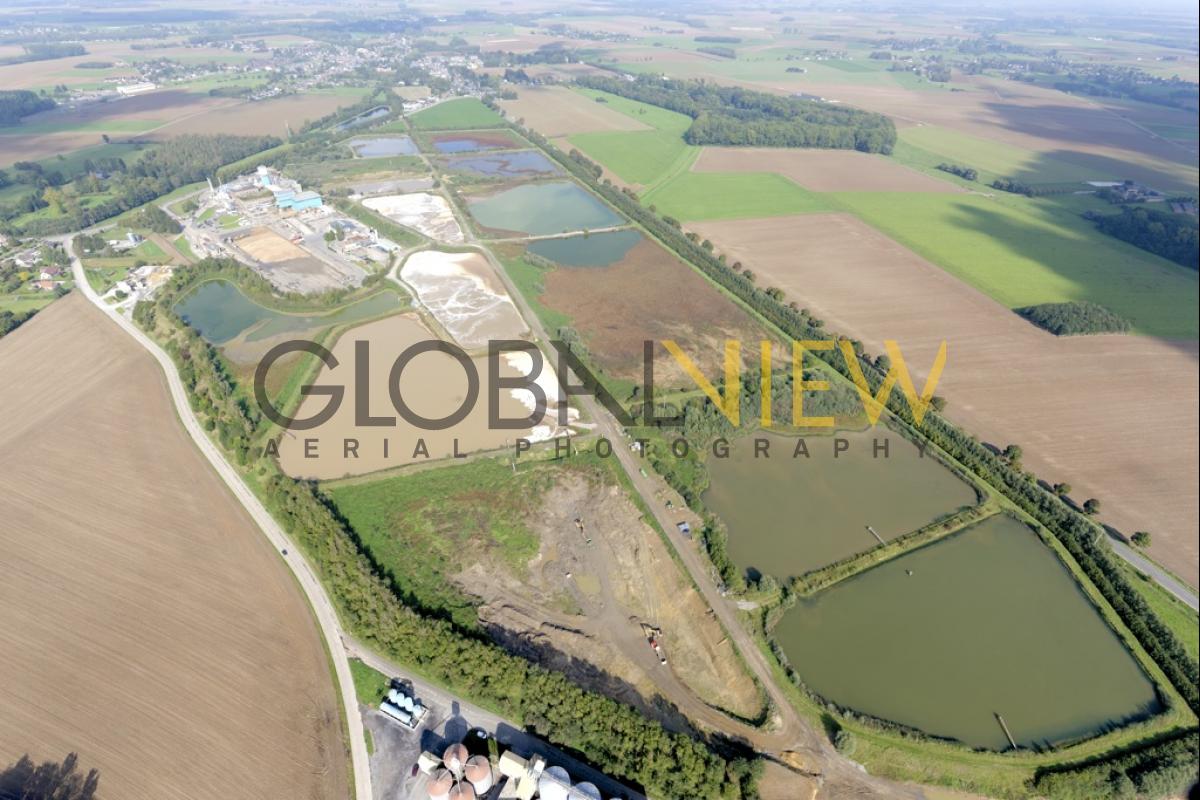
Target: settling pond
[788, 516]
[506, 165]
[382, 146]
[220, 313]
[944, 638]
[543, 208]
[593, 250]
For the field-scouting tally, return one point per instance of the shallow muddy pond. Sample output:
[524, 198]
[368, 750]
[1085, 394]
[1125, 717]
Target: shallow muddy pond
[471, 143]
[382, 146]
[508, 165]
[788, 515]
[593, 250]
[946, 637]
[220, 313]
[543, 208]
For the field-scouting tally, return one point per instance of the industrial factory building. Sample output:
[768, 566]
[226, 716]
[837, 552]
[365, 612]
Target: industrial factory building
[287, 192]
[458, 775]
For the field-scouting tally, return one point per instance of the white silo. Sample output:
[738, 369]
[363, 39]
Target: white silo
[584, 791]
[555, 784]
[479, 773]
[463, 791]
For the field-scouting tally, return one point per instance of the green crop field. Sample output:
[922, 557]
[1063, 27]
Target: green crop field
[691, 196]
[1024, 252]
[421, 527]
[19, 302]
[640, 157]
[465, 112]
[928, 145]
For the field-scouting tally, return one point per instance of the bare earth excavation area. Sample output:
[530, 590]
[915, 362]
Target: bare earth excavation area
[590, 596]
[148, 625]
[1114, 416]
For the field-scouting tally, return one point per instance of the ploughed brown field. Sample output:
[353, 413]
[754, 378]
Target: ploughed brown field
[557, 111]
[650, 294]
[1114, 416]
[148, 625]
[260, 118]
[823, 170]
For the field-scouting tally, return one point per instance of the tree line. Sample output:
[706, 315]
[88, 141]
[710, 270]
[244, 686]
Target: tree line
[966, 173]
[1175, 237]
[1154, 770]
[725, 115]
[45, 52]
[1075, 317]
[1077, 533]
[18, 103]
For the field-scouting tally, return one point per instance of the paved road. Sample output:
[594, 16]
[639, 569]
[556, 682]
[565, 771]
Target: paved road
[322, 608]
[1163, 578]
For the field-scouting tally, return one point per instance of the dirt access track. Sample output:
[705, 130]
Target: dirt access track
[149, 626]
[1114, 416]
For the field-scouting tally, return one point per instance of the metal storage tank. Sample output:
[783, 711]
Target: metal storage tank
[440, 784]
[584, 791]
[479, 773]
[455, 758]
[555, 784]
[462, 791]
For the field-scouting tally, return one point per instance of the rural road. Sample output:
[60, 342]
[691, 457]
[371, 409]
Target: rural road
[1163, 578]
[322, 608]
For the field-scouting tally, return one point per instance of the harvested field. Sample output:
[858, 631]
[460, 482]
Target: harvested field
[433, 385]
[823, 170]
[427, 213]
[150, 626]
[63, 130]
[260, 117]
[465, 296]
[648, 294]
[23, 147]
[558, 111]
[1114, 416]
[265, 244]
[1063, 127]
